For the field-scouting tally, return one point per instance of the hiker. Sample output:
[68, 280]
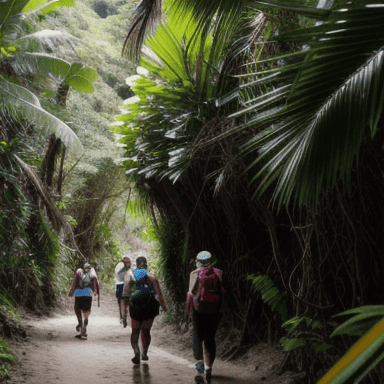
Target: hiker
[205, 298]
[140, 291]
[121, 268]
[85, 284]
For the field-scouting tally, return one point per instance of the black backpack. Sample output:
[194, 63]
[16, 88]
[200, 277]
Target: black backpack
[142, 295]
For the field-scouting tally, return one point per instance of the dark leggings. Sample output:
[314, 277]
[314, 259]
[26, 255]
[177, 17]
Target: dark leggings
[204, 330]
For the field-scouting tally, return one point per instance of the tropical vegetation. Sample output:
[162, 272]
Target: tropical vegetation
[251, 129]
[274, 163]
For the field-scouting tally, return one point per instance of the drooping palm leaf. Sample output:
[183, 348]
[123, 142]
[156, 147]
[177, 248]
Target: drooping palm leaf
[28, 104]
[146, 16]
[51, 40]
[31, 62]
[46, 198]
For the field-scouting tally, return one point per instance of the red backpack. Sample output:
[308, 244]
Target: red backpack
[209, 296]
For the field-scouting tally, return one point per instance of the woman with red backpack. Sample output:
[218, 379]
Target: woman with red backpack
[205, 298]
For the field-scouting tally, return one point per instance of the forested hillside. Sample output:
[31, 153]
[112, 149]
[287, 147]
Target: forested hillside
[248, 129]
[63, 197]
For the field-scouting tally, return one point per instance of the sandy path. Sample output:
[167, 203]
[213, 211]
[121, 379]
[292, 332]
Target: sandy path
[53, 355]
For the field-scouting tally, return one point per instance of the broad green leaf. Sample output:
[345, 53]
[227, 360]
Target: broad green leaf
[54, 4]
[9, 9]
[362, 356]
[80, 83]
[75, 68]
[45, 62]
[357, 325]
[34, 4]
[89, 73]
[290, 344]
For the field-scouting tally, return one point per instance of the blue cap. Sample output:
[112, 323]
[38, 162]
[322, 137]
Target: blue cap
[204, 257]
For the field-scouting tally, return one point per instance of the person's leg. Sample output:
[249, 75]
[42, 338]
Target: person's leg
[86, 312]
[146, 337]
[119, 292]
[198, 338]
[78, 315]
[212, 324]
[119, 305]
[136, 327]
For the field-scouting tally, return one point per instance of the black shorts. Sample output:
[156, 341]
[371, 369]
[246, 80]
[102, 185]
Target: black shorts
[119, 290]
[147, 313]
[83, 302]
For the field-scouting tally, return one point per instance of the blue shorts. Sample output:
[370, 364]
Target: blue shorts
[119, 290]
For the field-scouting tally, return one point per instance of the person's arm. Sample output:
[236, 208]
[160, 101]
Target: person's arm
[125, 296]
[192, 287]
[158, 289]
[96, 286]
[78, 275]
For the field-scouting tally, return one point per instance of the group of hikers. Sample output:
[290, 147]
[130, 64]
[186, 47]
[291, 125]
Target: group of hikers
[138, 291]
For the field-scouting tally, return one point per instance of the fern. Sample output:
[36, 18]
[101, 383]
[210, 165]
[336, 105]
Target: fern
[270, 293]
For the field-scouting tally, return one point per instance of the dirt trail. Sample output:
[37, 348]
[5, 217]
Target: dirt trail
[52, 355]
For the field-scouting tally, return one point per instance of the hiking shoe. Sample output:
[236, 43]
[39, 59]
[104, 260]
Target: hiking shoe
[136, 360]
[199, 366]
[208, 375]
[199, 379]
[144, 358]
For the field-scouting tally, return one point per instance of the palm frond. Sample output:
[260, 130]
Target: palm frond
[270, 293]
[52, 41]
[30, 62]
[146, 16]
[311, 141]
[45, 196]
[29, 105]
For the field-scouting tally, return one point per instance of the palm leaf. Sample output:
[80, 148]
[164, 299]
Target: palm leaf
[45, 196]
[28, 104]
[30, 62]
[364, 318]
[270, 293]
[52, 41]
[44, 6]
[311, 142]
[144, 19]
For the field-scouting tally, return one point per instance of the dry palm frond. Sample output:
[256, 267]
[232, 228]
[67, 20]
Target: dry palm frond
[144, 20]
[44, 194]
[257, 25]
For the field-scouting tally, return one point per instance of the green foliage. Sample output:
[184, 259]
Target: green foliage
[6, 360]
[166, 265]
[364, 318]
[296, 119]
[303, 330]
[270, 293]
[44, 7]
[6, 306]
[357, 367]
[186, 74]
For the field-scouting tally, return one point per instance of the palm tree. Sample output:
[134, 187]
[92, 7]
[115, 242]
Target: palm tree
[322, 99]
